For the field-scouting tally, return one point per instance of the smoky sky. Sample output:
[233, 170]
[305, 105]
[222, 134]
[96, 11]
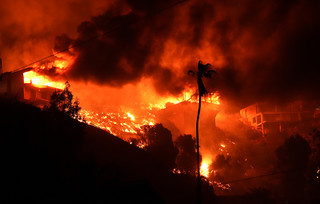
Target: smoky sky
[267, 50]
[28, 28]
[261, 50]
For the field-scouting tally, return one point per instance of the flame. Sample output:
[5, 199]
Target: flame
[39, 80]
[34, 78]
[123, 124]
[130, 116]
[187, 95]
[204, 168]
[59, 65]
[120, 124]
[62, 65]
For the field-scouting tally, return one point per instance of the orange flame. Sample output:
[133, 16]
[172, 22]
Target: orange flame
[121, 124]
[204, 169]
[187, 95]
[34, 78]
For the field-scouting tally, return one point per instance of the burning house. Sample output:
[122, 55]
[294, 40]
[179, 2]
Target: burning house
[17, 84]
[273, 118]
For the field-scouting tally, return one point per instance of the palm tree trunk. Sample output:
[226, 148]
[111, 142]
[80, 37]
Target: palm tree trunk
[198, 154]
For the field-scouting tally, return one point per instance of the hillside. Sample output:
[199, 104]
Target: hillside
[48, 157]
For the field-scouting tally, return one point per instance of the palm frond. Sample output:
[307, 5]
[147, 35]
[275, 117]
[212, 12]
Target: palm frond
[202, 68]
[208, 74]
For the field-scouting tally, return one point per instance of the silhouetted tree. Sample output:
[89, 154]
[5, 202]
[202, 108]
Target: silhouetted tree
[220, 165]
[62, 100]
[294, 153]
[187, 157]
[221, 162]
[293, 157]
[160, 144]
[203, 71]
[259, 195]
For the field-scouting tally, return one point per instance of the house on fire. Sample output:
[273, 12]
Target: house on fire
[12, 85]
[274, 118]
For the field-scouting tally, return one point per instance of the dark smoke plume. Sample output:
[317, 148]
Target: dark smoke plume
[264, 50]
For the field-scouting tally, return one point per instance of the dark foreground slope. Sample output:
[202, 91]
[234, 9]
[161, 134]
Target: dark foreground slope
[50, 158]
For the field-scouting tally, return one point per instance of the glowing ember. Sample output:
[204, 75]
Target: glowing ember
[119, 124]
[222, 148]
[176, 171]
[222, 186]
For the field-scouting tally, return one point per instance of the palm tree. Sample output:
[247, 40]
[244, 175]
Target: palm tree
[203, 71]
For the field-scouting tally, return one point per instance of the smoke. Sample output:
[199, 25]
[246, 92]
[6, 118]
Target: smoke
[261, 50]
[126, 50]
[273, 52]
[28, 28]
[264, 50]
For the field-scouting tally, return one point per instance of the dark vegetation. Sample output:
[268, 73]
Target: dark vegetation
[63, 101]
[290, 176]
[160, 145]
[49, 157]
[187, 157]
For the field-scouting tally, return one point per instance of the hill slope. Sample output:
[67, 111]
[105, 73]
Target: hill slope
[48, 157]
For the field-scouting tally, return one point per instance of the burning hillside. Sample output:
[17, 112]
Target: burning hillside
[128, 63]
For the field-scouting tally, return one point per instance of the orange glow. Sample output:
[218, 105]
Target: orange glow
[119, 124]
[62, 65]
[34, 78]
[59, 65]
[204, 169]
[187, 95]
[123, 124]
[130, 116]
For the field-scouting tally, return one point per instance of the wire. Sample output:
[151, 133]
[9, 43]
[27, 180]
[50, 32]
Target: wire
[260, 176]
[103, 34]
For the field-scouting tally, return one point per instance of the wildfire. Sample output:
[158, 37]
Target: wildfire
[130, 116]
[61, 65]
[121, 124]
[37, 79]
[204, 169]
[34, 78]
[187, 95]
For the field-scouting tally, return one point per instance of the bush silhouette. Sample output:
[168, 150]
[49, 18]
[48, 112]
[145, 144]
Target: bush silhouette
[63, 101]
